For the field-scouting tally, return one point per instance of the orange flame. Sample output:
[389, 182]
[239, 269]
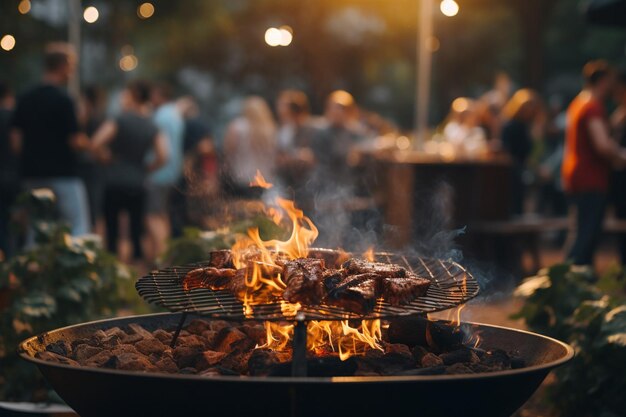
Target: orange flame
[369, 254]
[260, 181]
[263, 281]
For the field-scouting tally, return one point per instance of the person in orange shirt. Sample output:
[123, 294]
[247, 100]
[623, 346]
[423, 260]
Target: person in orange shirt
[590, 153]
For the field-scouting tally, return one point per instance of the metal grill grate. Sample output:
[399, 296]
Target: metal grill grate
[451, 285]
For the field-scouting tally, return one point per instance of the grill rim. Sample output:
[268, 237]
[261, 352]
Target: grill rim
[22, 351]
[147, 287]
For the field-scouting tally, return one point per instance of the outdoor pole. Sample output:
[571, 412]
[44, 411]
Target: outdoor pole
[73, 29]
[424, 65]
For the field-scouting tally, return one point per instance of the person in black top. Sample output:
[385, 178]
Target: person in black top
[122, 144]
[9, 177]
[520, 113]
[48, 139]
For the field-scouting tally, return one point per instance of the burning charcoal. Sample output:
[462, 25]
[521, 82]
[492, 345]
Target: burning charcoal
[186, 356]
[60, 347]
[497, 358]
[134, 362]
[188, 371]
[430, 359]
[167, 365]
[458, 368]
[254, 332]
[115, 331]
[432, 370]
[410, 331]
[459, 356]
[360, 266]
[418, 353]
[262, 361]
[85, 351]
[217, 325]
[221, 259]
[163, 336]
[198, 326]
[385, 364]
[210, 358]
[443, 337]
[209, 336]
[100, 335]
[193, 341]
[305, 281]
[131, 338]
[90, 341]
[399, 349]
[98, 360]
[140, 331]
[148, 346]
[227, 337]
[55, 357]
[237, 361]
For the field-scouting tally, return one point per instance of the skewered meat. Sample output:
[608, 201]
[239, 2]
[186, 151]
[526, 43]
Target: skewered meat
[305, 281]
[403, 290]
[356, 293]
[208, 277]
[360, 266]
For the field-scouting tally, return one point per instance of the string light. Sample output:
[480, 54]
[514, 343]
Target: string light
[128, 62]
[449, 8]
[145, 10]
[279, 36]
[24, 6]
[91, 14]
[7, 42]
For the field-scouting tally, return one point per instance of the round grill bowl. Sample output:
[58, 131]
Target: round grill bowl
[104, 392]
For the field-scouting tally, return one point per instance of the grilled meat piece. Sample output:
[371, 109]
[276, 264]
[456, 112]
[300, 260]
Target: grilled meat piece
[305, 281]
[221, 259]
[359, 266]
[403, 290]
[208, 277]
[237, 284]
[355, 293]
[332, 258]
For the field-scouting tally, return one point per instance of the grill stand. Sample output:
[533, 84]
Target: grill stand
[298, 358]
[181, 323]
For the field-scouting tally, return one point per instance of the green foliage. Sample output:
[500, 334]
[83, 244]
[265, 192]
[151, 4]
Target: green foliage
[568, 306]
[58, 281]
[195, 244]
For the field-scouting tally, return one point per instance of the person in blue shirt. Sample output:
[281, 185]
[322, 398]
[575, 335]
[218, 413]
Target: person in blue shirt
[162, 182]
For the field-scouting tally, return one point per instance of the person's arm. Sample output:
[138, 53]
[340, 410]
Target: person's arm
[15, 140]
[101, 139]
[604, 144]
[161, 153]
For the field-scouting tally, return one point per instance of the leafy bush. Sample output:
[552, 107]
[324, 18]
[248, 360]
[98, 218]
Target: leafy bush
[57, 281]
[566, 305]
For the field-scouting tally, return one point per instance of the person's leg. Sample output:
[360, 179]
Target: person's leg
[135, 207]
[72, 203]
[620, 213]
[157, 221]
[111, 217]
[590, 209]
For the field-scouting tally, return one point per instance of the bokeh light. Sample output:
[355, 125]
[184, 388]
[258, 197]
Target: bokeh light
[433, 44]
[128, 62]
[91, 14]
[7, 42]
[145, 10]
[449, 8]
[279, 36]
[24, 6]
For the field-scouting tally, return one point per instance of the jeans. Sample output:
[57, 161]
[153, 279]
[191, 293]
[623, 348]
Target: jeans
[590, 207]
[129, 198]
[71, 198]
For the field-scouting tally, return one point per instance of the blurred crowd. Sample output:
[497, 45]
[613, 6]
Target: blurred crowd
[562, 156]
[156, 159]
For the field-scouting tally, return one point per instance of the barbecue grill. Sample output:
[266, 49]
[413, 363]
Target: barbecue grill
[95, 392]
[451, 285]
